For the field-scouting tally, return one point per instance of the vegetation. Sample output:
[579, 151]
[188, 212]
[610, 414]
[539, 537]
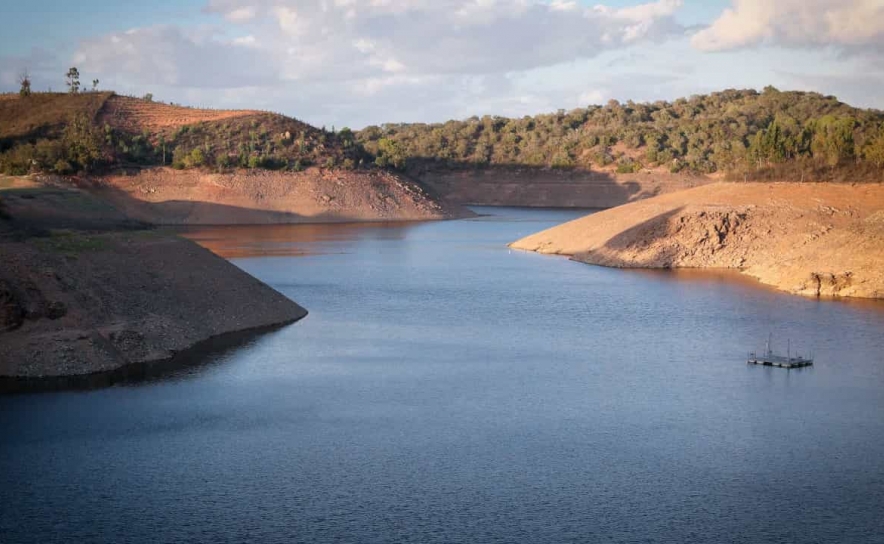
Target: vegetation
[73, 80]
[748, 134]
[82, 132]
[25, 81]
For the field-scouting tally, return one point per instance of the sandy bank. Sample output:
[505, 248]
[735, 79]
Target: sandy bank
[85, 291]
[808, 239]
[165, 196]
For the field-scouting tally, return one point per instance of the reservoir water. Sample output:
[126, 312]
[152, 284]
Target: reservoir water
[445, 389]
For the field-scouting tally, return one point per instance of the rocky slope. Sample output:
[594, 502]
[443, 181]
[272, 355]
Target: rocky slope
[85, 291]
[809, 239]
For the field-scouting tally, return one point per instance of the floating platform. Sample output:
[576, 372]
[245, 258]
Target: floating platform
[770, 358]
[781, 362]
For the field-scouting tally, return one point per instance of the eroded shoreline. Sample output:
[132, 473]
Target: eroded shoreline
[809, 239]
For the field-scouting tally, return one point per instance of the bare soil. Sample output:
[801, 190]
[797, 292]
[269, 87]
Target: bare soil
[138, 115]
[811, 239]
[166, 196]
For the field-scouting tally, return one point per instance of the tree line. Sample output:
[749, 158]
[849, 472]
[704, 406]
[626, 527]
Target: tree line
[730, 131]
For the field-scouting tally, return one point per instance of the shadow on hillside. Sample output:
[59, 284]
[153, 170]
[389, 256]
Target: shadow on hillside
[35, 211]
[642, 237]
[535, 186]
[186, 212]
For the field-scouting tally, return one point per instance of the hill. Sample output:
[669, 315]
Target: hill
[813, 239]
[742, 133]
[89, 132]
[171, 164]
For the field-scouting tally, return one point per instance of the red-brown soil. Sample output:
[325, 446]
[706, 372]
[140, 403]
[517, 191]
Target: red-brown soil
[138, 115]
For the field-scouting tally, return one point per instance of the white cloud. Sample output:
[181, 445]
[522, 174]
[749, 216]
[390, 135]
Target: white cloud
[166, 55]
[595, 96]
[345, 39]
[239, 15]
[796, 23]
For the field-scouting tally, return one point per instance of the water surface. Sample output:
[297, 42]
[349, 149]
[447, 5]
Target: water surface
[447, 389]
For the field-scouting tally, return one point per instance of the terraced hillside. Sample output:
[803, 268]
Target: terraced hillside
[88, 132]
[137, 115]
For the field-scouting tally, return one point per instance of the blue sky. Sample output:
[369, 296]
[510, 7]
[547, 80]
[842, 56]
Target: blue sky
[358, 62]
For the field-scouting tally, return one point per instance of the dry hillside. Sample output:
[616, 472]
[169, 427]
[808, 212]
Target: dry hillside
[139, 115]
[85, 291]
[811, 239]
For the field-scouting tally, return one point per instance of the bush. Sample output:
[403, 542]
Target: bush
[63, 167]
[197, 158]
[223, 162]
[628, 166]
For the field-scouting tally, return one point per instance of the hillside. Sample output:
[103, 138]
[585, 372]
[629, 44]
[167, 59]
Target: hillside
[742, 133]
[169, 164]
[89, 132]
[812, 239]
[88, 296]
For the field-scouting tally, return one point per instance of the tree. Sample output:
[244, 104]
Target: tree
[390, 154]
[25, 80]
[833, 139]
[73, 80]
[94, 85]
[874, 151]
[82, 142]
[148, 97]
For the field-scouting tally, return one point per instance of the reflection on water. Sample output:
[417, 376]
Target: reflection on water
[240, 242]
[446, 389]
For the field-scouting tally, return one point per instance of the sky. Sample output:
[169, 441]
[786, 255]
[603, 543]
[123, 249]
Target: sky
[360, 62]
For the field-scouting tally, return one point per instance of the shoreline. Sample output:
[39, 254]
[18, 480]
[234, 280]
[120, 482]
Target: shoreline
[88, 295]
[811, 239]
[135, 373]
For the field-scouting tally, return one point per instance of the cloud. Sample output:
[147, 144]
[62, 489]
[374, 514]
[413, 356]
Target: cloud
[167, 55]
[346, 39]
[851, 24]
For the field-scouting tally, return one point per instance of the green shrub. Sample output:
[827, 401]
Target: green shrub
[197, 158]
[628, 166]
[62, 167]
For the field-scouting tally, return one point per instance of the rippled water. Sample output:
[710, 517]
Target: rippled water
[446, 389]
